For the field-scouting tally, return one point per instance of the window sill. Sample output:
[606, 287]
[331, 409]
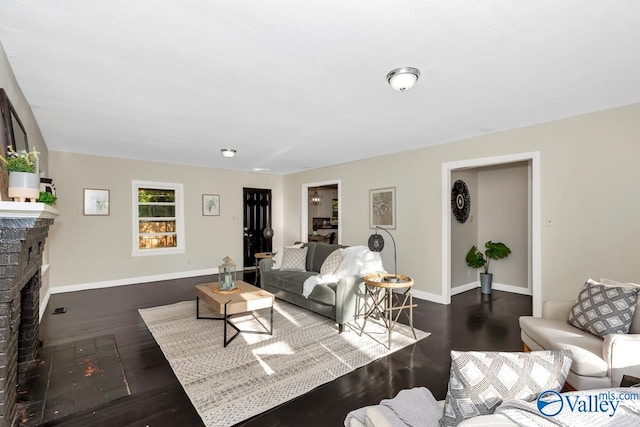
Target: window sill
[153, 252]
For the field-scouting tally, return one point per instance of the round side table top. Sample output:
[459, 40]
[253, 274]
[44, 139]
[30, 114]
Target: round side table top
[263, 255]
[378, 280]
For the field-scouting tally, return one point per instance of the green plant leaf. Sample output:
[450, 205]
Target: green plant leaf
[496, 250]
[20, 164]
[474, 258]
[47, 198]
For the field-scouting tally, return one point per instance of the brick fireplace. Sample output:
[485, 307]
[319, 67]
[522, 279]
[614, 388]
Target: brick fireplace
[22, 241]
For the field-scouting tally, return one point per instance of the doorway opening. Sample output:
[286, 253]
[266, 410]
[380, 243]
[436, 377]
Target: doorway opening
[320, 212]
[533, 231]
[256, 218]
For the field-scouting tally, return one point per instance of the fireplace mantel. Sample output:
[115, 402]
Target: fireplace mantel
[26, 210]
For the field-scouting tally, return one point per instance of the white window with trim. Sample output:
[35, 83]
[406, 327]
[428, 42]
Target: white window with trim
[158, 218]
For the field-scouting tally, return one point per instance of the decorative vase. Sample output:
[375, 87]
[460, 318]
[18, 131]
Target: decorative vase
[23, 186]
[485, 282]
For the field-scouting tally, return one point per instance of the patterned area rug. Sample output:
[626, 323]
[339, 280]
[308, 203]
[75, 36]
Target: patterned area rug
[257, 372]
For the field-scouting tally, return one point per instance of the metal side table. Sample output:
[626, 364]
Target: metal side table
[382, 300]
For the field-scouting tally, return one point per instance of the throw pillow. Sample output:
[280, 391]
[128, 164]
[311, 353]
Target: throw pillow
[294, 259]
[480, 381]
[277, 258]
[602, 309]
[331, 263]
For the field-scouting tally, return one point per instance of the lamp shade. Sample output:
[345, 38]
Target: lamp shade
[402, 79]
[376, 242]
[268, 232]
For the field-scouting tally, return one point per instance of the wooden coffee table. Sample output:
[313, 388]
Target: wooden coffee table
[225, 304]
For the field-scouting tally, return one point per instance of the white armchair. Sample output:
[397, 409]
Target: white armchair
[597, 363]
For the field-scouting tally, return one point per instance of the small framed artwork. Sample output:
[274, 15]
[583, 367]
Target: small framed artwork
[210, 204]
[382, 207]
[96, 202]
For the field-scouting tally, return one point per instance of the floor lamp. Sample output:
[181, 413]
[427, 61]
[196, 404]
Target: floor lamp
[376, 244]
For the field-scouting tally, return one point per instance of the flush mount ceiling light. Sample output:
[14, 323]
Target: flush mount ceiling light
[228, 152]
[402, 79]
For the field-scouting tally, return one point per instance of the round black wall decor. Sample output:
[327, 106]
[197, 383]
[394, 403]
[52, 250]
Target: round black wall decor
[460, 201]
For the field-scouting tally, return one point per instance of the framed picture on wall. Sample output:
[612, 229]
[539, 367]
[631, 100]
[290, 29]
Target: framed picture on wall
[382, 207]
[210, 204]
[96, 202]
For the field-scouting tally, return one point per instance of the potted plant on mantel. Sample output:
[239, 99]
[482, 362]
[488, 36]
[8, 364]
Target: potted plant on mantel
[24, 179]
[476, 259]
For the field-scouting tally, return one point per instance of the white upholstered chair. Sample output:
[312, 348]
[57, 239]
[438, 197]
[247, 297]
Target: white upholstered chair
[597, 363]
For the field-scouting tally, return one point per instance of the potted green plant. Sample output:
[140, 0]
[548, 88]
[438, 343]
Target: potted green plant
[476, 259]
[47, 198]
[24, 179]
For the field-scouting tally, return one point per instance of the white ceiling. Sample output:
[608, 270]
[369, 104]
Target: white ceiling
[294, 85]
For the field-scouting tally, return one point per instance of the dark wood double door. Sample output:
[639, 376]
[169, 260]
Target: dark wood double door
[257, 217]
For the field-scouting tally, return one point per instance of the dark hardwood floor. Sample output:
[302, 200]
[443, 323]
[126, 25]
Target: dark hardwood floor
[471, 322]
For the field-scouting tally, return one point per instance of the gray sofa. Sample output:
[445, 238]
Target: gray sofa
[334, 300]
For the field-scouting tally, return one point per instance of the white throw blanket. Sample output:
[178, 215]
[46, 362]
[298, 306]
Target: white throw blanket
[414, 407]
[356, 260]
[312, 281]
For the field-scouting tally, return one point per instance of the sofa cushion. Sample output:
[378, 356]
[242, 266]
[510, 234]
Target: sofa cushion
[324, 294]
[311, 251]
[480, 381]
[293, 259]
[322, 251]
[290, 281]
[602, 309]
[331, 264]
[554, 334]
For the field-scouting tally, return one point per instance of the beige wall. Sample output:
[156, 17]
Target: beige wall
[93, 249]
[588, 173]
[503, 216]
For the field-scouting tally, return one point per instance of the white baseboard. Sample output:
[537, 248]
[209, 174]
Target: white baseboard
[464, 288]
[428, 296]
[511, 288]
[497, 286]
[132, 280]
[43, 303]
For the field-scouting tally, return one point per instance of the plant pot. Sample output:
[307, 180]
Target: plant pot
[23, 186]
[485, 282]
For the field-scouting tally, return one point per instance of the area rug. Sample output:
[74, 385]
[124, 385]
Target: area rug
[257, 372]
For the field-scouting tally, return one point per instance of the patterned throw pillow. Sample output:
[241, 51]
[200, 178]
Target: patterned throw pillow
[294, 259]
[331, 263]
[602, 310]
[277, 258]
[480, 381]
